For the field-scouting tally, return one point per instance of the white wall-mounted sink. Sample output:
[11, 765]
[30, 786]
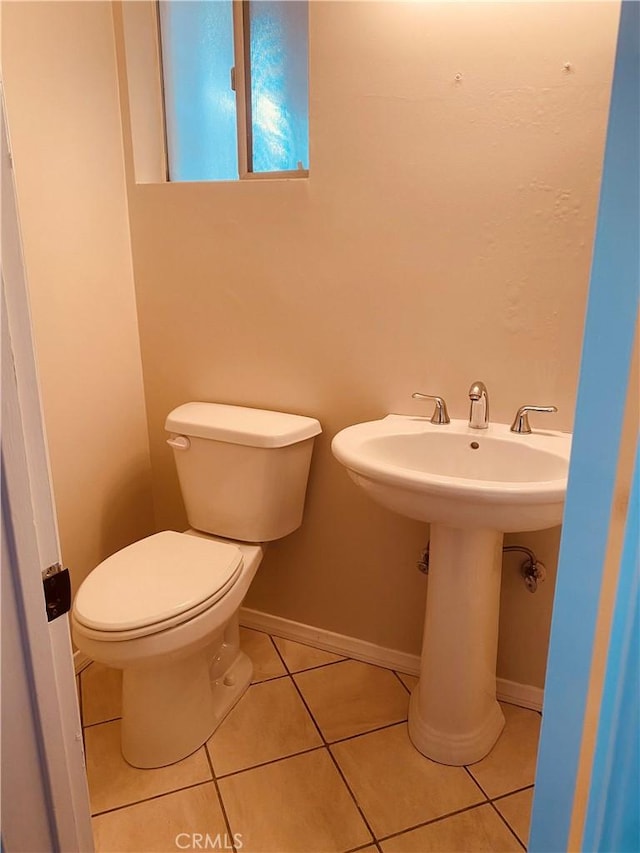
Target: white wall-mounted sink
[472, 485]
[456, 475]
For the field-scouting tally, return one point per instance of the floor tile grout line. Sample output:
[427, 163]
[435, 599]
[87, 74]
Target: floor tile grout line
[302, 698]
[490, 801]
[473, 778]
[498, 796]
[507, 824]
[222, 776]
[443, 817]
[401, 681]
[227, 822]
[325, 742]
[299, 692]
[342, 659]
[363, 847]
[268, 678]
[306, 750]
[101, 722]
[348, 660]
[279, 653]
[402, 722]
[521, 707]
[353, 660]
[351, 737]
[324, 745]
[335, 763]
[353, 796]
[318, 666]
[153, 797]
[306, 669]
[438, 819]
[308, 709]
[510, 793]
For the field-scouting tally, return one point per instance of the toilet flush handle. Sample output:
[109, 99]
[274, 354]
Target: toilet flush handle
[179, 442]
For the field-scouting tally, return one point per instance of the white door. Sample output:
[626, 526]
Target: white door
[45, 804]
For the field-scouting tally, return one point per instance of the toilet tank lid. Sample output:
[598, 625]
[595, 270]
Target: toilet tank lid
[241, 425]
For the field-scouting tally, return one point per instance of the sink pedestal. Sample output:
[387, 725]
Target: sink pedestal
[454, 717]
[468, 484]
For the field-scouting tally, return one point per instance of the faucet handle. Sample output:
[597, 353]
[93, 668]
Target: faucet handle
[440, 413]
[521, 421]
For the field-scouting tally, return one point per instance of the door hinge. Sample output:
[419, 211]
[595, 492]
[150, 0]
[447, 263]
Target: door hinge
[233, 79]
[56, 582]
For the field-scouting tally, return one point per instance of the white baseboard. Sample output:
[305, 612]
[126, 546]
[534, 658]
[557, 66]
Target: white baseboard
[523, 695]
[80, 661]
[339, 644]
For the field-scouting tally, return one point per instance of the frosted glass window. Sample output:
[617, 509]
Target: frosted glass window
[200, 105]
[278, 73]
[200, 67]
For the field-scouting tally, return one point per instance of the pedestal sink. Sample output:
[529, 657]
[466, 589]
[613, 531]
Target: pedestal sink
[472, 486]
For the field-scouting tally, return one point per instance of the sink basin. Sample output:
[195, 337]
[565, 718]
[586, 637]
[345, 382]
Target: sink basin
[456, 475]
[472, 486]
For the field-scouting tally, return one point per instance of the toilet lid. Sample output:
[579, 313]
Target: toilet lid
[156, 579]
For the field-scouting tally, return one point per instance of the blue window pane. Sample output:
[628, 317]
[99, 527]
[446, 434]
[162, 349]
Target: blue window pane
[279, 37]
[200, 106]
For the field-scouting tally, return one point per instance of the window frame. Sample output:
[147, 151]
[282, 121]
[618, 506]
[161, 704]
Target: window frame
[240, 83]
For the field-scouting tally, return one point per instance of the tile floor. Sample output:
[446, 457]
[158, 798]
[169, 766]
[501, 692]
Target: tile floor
[314, 758]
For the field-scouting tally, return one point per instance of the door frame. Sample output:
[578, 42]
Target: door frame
[594, 559]
[44, 660]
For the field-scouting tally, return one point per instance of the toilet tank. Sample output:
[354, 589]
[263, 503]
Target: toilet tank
[243, 472]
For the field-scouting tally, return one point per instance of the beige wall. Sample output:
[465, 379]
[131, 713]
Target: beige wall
[64, 121]
[443, 236]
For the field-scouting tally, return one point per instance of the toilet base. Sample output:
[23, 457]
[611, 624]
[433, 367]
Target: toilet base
[228, 690]
[170, 712]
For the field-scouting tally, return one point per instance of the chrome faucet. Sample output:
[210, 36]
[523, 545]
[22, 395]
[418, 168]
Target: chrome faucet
[479, 412]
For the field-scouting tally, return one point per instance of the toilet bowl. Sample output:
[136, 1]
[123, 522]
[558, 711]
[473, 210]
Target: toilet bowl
[165, 609]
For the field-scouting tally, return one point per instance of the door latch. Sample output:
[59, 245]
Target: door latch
[56, 582]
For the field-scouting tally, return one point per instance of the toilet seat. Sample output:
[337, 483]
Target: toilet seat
[155, 584]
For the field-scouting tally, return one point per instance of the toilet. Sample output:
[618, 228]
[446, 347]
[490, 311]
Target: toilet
[165, 609]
